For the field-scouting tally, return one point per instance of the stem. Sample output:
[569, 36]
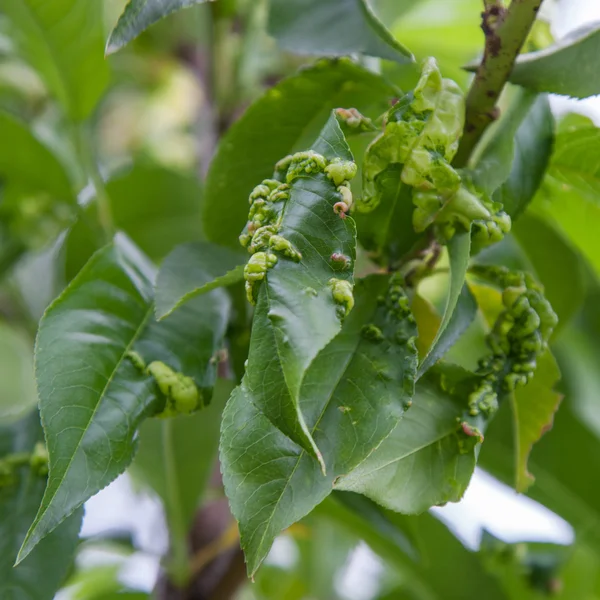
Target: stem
[90, 166]
[505, 33]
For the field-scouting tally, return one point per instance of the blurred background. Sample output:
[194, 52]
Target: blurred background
[159, 116]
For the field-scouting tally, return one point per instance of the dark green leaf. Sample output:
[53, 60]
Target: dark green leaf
[556, 264]
[25, 160]
[284, 120]
[63, 40]
[177, 456]
[41, 574]
[333, 28]
[296, 313]
[460, 306]
[352, 396]
[569, 67]
[92, 396]
[138, 16]
[427, 459]
[194, 269]
[157, 208]
[514, 159]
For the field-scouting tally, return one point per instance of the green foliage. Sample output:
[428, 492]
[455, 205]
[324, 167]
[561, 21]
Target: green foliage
[551, 69]
[19, 501]
[333, 28]
[62, 40]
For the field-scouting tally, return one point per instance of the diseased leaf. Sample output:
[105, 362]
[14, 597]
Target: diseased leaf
[156, 207]
[533, 409]
[25, 160]
[63, 41]
[460, 306]
[333, 28]
[427, 459]
[556, 263]
[569, 67]
[428, 323]
[138, 16]
[41, 574]
[194, 269]
[177, 456]
[352, 396]
[298, 310]
[93, 393]
[286, 119]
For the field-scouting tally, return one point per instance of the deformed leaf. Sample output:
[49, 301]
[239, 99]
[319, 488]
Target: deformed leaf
[461, 307]
[138, 16]
[299, 308]
[353, 395]
[533, 408]
[194, 269]
[63, 41]
[42, 572]
[333, 28]
[569, 67]
[287, 118]
[427, 460]
[93, 390]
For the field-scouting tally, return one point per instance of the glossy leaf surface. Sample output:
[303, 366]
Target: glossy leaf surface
[92, 396]
[195, 269]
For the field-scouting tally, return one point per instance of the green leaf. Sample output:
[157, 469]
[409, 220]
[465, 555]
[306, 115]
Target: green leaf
[286, 119]
[460, 309]
[92, 396]
[333, 28]
[556, 264]
[568, 198]
[138, 16]
[551, 70]
[17, 390]
[176, 458]
[353, 396]
[194, 269]
[156, 207]
[427, 460]
[296, 313]
[533, 409]
[63, 40]
[514, 159]
[25, 160]
[41, 574]
[533, 145]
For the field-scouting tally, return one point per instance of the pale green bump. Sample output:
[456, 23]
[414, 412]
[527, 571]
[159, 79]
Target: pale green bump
[341, 291]
[305, 163]
[136, 359]
[372, 333]
[181, 393]
[256, 270]
[39, 459]
[278, 243]
[340, 171]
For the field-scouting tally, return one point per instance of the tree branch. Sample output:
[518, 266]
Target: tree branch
[505, 30]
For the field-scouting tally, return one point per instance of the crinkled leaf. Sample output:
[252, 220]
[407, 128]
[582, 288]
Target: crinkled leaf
[42, 572]
[296, 315]
[92, 396]
[333, 28]
[63, 40]
[24, 159]
[194, 269]
[177, 456]
[353, 395]
[514, 159]
[156, 207]
[138, 16]
[286, 119]
[568, 67]
[460, 306]
[427, 459]
[556, 263]
[533, 409]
